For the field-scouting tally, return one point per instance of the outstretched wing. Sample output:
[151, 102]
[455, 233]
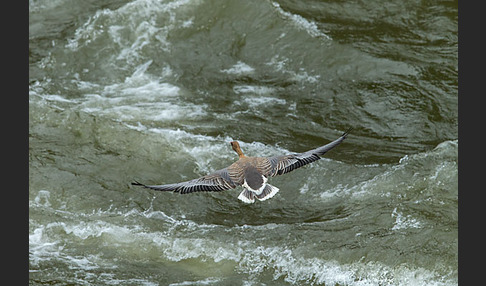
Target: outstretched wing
[287, 163]
[215, 182]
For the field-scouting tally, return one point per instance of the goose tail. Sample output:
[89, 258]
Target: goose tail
[247, 196]
[268, 192]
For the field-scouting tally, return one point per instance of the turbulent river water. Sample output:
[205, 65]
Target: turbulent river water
[154, 91]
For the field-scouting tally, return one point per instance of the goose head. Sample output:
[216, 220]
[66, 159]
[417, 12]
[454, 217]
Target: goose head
[236, 147]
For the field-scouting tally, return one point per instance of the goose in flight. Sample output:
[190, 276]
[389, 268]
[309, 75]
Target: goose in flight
[250, 172]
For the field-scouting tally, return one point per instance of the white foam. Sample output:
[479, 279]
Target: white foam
[55, 97]
[37, 6]
[85, 230]
[301, 23]
[263, 102]
[255, 260]
[108, 279]
[280, 64]
[257, 97]
[304, 189]
[134, 26]
[143, 85]
[207, 281]
[200, 148]
[47, 242]
[88, 32]
[141, 97]
[45, 246]
[437, 168]
[152, 89]
[174, 243]
[160, 215]
[253, 89]
[250, 258]
[240, 68]
[42, 198]
[404, 221]
[39, 248]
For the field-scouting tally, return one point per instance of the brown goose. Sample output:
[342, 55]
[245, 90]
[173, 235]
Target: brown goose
[250, 172]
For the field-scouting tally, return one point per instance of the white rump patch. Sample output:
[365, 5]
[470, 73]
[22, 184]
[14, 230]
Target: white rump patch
[256, 192]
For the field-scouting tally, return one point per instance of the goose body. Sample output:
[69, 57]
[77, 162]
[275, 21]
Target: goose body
[250, 172]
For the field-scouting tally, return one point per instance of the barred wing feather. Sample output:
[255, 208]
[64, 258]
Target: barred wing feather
[287, 163]
[215, 182]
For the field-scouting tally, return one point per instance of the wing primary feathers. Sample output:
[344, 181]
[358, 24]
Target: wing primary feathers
[215, 182]
[347, 131]
[287, 163]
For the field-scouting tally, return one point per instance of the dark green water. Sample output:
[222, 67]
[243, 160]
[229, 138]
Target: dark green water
[154, 90]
